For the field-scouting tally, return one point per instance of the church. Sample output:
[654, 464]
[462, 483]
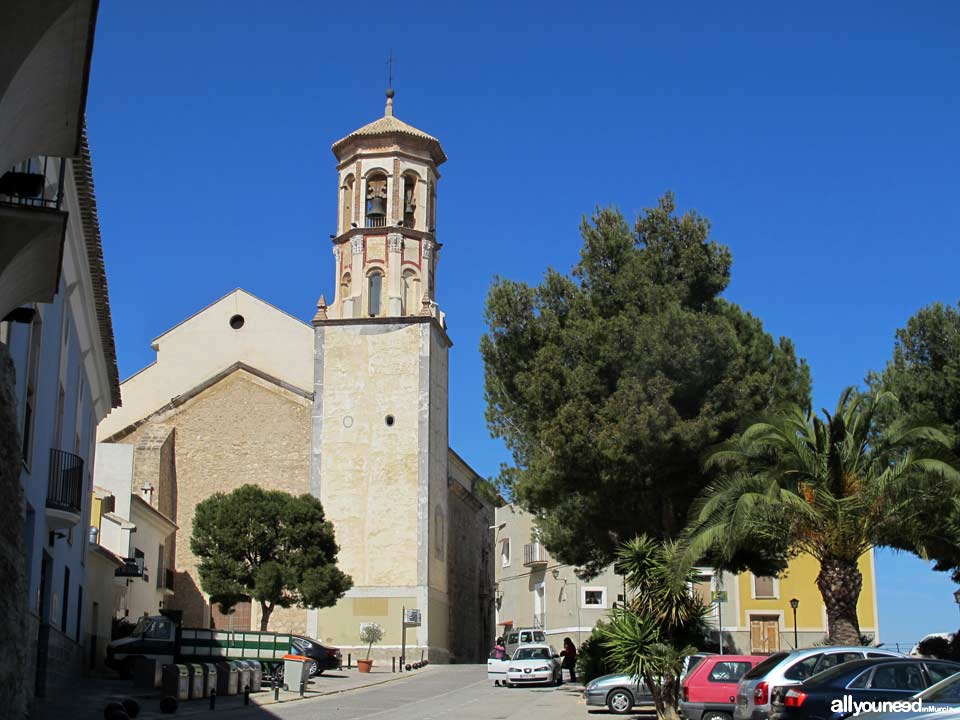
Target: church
[351, 408]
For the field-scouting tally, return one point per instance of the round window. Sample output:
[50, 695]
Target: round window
[389, 420]
[236, 322]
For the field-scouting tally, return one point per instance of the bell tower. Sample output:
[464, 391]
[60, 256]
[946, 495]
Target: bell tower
[380, 439]
[385, 246]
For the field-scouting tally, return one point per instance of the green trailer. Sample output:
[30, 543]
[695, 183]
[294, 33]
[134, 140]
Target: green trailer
[161, 638]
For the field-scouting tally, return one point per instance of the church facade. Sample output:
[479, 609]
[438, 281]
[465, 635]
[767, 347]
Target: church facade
[352, 408]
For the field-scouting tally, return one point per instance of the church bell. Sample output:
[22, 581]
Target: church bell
[377, 206]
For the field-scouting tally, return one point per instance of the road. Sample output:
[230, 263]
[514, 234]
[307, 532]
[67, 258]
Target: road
[461, 692]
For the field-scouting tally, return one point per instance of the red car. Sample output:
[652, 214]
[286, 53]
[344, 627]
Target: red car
[709, 690]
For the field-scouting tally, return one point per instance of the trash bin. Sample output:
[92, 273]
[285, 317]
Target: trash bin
[209, 678]
[226, 678]
[295, 670]
[176, 682]
[256, 675]
[243, 674]
[196, 681]
[146, 673]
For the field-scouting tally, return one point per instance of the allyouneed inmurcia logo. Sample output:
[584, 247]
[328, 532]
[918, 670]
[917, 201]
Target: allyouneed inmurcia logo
[848, 706]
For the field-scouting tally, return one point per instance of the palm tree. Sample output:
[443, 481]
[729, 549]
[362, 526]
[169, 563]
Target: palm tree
[833, 488]
[662, 622]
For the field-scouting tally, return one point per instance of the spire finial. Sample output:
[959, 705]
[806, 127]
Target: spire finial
[321, 310]
[389, 110]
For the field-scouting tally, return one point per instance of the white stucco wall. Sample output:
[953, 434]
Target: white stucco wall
[205, 344]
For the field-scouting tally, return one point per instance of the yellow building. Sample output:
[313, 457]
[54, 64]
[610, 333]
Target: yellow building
[757, 617]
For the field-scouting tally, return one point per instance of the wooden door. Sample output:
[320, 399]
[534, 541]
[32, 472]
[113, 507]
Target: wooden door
[764, 634]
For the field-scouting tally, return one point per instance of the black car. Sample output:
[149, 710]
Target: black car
[324, 657]
[874, 679]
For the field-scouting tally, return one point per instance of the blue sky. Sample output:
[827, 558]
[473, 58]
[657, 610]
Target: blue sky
[820, 141]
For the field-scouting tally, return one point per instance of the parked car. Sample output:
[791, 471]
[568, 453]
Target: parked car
[709, 690]
[933, 701]
[522, 636]
[324, 657]
[872, 679]
[785, 669]
[620, 693]
[532, 664]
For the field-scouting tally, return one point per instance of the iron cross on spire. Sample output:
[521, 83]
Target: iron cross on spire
[390, 70]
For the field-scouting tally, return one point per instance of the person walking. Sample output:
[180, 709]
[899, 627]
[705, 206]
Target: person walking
[569, 655]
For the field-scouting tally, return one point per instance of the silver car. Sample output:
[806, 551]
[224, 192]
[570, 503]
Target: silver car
[618, 692]
[621, 692]
[781, 670]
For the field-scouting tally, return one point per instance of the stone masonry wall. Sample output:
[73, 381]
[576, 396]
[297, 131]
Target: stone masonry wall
[14, 692]
[241, 430]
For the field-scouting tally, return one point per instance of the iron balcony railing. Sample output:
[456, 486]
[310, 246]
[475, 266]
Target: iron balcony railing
[534, 554]
[65, 483]
[376, 221]
[36, 182]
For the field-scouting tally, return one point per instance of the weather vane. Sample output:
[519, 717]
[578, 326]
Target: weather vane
[390, 69]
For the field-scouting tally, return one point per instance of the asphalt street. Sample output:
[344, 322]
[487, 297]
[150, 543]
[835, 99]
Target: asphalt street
[461, 692]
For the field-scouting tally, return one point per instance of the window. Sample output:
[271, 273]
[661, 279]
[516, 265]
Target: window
[728, 671]
[376, 214]
[703, 586]
[532, 654]
[947, 693]
[30, 399]
[830, 660]
[160, 566]
[409, 201]
[65, 608]
[803, 669]
[764, 587]
[897, 676]
[374, 290]
[594, 598]
[505, 552]
[941, 671]
[79, 610]
[512, 639]
[859, 682]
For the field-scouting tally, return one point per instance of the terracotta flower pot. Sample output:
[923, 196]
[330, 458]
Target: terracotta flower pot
[364, 665]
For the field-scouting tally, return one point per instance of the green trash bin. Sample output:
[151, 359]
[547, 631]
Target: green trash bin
[256, 675]
[175, 682]
[226, 678]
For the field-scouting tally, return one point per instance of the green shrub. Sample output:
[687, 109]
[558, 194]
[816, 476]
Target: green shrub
[592, 659]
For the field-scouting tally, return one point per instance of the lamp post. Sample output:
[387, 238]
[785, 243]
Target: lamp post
[794, 603]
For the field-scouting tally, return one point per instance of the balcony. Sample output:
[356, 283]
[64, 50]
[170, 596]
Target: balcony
[64, 490]
[131, 568]
[534, 555]
[32, 227]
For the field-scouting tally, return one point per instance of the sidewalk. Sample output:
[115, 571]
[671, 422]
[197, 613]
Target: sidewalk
[87, 701]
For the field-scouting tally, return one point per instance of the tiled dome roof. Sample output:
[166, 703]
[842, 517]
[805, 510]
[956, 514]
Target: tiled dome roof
[390, 125]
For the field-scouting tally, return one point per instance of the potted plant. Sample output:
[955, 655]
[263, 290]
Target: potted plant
[369, 633]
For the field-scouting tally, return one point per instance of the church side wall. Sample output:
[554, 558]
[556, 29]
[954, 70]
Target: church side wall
[242, 430]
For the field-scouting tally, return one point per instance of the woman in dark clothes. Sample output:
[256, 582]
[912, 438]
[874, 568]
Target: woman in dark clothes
[569, 655]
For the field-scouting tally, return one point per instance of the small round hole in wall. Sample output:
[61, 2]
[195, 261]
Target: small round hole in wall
[236, 322]
[389, 420]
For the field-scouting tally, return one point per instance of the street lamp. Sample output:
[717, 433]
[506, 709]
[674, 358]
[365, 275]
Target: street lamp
[794, 603]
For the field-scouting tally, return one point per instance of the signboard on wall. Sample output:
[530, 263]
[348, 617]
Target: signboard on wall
[411, 617]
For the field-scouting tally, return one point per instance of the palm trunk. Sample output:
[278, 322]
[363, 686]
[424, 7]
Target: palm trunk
[840, 582]
[665, 698]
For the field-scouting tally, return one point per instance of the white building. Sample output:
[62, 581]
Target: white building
[66, 382]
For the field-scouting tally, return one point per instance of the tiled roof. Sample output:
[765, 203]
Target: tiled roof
[83, 175]
[390, 125]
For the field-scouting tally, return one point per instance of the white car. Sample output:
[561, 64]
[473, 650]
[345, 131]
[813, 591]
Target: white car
[533, 664]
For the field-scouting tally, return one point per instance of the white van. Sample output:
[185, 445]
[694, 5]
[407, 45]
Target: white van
[516, 637]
